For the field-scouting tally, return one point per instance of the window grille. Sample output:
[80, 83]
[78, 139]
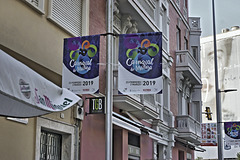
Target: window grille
[50, 146]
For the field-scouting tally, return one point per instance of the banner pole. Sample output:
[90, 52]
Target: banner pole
[218, 97]
[109, 83]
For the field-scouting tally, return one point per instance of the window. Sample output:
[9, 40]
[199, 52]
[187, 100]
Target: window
[178, 38]
[195, 110]
[38, 5]
[180, 96]
[149, 98]
[166, 93]
[189, 156]
[50, 146]
[67, 14]
[195, 52]
[185, 43]
[180, 155]
[54, 140]
[185, 3]
[189, 108]
[133, 147]
[164, 21]
[133, 139]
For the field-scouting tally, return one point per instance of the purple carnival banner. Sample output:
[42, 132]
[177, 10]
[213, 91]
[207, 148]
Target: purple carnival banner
[140, 63]
[232, 133]
[81, 64]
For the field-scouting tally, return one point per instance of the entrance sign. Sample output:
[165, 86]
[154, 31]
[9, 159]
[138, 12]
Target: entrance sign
[232, 133]
[140, 63]
[81, 64]
[24, 93]
[97, 105]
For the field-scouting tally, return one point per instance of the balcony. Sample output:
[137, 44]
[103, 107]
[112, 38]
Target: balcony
[133, 103]
[187, 64]
[189, 129]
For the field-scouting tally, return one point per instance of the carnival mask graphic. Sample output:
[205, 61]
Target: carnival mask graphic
[81, 55]
[233, 130]
[140, 55]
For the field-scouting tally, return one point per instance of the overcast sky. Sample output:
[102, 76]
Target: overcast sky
[227, 14]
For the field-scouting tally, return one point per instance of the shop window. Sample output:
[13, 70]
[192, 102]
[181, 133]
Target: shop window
[50, 146]
[133, 139]
[67, 14]
[133, 146]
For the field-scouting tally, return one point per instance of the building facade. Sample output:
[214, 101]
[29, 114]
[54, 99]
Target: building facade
[186, 79]
[151, 126]
[228, 70]
[32, 32]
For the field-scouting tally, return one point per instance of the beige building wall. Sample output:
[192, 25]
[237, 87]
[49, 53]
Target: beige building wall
[17, 139]
[30, 37]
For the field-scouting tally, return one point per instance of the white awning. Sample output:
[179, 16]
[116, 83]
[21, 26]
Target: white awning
[24, 93]
[126, 125]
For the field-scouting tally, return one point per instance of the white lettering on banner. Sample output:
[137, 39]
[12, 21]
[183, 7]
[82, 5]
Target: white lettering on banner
[84, 65]
[81, 65]
[141, 64]
[72, 63]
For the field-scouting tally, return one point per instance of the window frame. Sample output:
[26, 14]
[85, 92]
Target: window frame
[39, 8]
[45, 141]
[178, 38]
[66, 130]
[84, 19]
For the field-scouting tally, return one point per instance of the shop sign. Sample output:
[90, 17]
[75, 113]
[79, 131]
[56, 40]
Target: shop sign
[24, 93]
[97, 105]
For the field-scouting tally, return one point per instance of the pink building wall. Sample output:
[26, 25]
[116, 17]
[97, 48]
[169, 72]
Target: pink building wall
[174, 16]
[92, 135]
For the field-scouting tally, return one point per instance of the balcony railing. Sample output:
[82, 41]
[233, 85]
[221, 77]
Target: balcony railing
[187, 64]
[189, 128]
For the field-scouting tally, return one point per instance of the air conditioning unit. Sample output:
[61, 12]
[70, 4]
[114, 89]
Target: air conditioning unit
[79, 110]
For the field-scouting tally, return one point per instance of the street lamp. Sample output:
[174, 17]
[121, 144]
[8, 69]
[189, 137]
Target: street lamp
[218, 97]
[218, 92]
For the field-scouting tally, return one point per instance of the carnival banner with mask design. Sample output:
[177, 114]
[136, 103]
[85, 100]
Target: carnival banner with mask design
[81, 64]
[140, 63]
[232, 133]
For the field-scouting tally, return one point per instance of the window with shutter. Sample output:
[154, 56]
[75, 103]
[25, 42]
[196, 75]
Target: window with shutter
[38, 5]
[67, 14]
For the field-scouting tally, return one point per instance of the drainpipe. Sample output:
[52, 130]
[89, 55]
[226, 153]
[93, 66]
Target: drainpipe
[109, 82]
[76, 127]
